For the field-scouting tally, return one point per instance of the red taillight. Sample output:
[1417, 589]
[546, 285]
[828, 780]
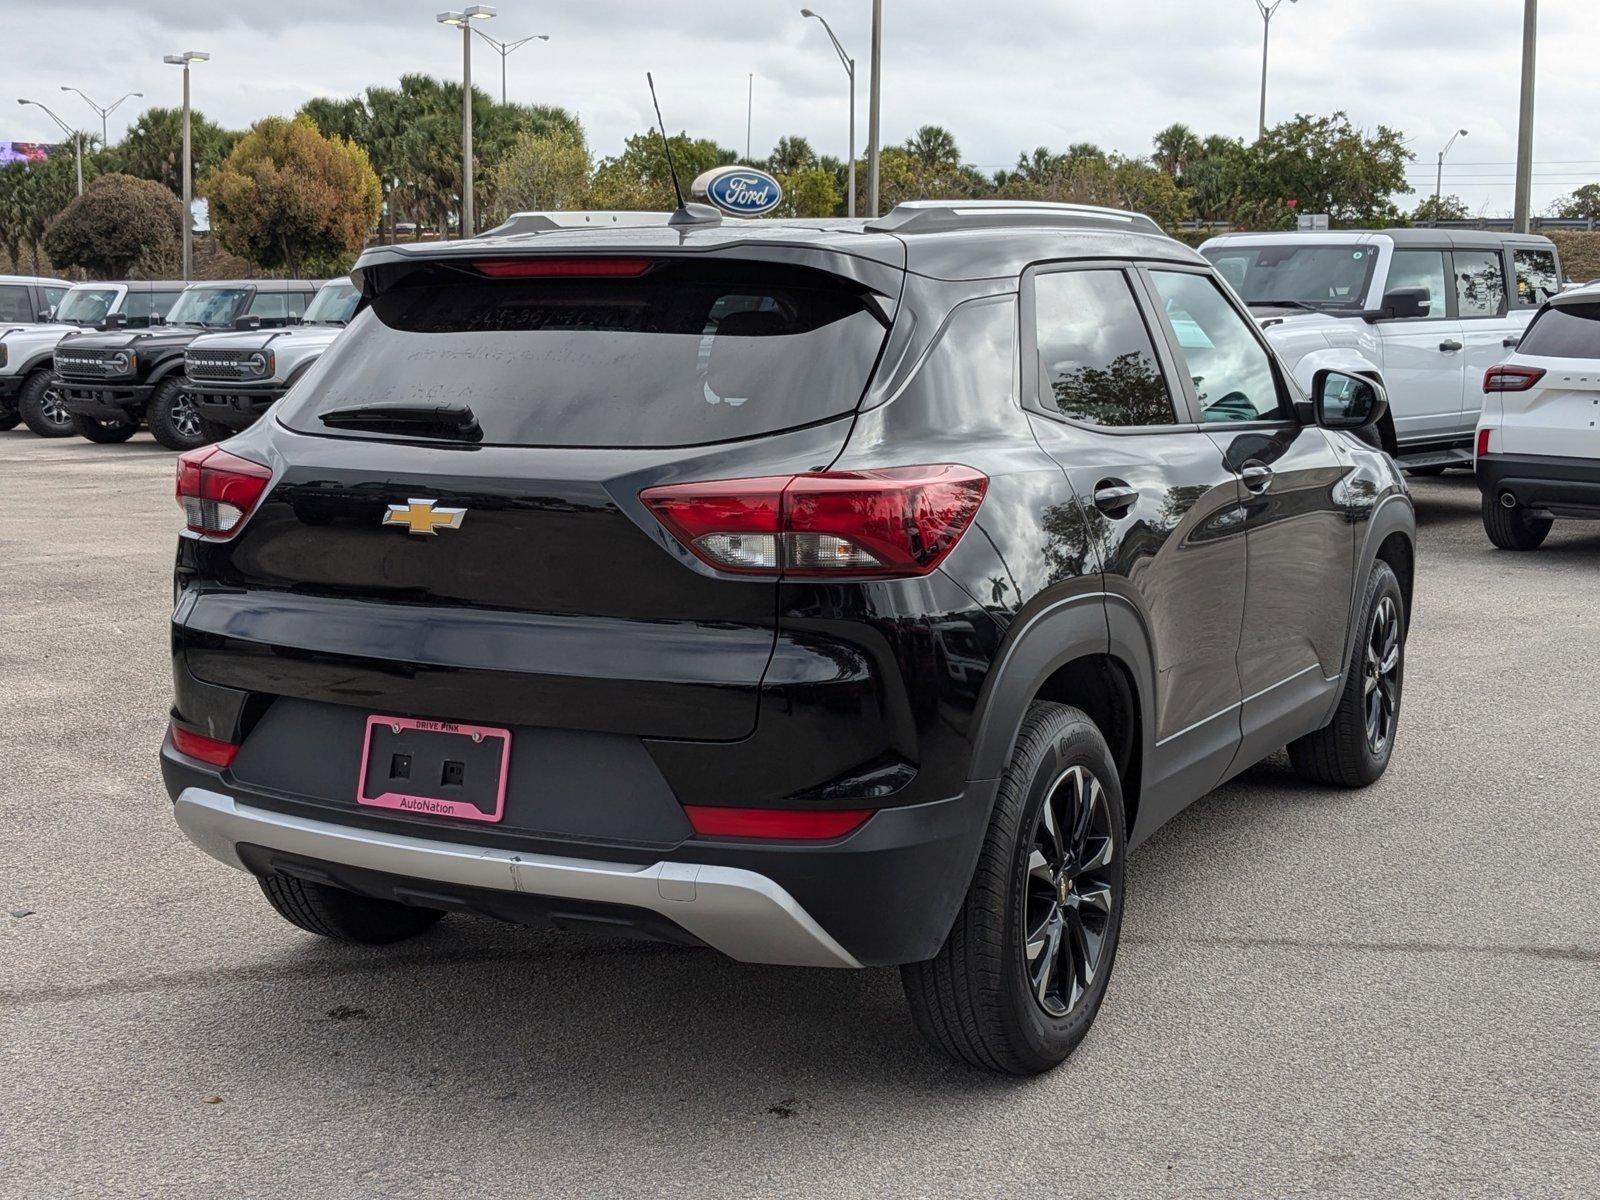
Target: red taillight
[207, 750]
[789, 823]
[563, 268]
[1483, 442]
[892, 522]
[217, 490]
[1511, 379]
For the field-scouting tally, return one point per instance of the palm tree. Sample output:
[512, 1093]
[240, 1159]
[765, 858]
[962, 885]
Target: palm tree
[791, 154]
[1177, 148]
[934, 146]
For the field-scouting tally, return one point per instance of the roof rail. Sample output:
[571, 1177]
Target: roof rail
[545, 222]
[929, 216]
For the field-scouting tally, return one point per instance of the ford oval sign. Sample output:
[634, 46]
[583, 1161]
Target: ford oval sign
[739, 191]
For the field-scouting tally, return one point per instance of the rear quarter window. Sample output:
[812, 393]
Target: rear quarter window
[1564, 331]
[687, 353]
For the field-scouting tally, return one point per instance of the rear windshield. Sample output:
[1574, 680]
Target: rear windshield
[684, 354]
[1564, 331]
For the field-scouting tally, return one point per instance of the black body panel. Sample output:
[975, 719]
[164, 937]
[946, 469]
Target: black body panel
[1556, 484]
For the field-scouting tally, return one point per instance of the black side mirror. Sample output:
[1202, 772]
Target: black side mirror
[244, 324]
[1403, 304]
[1347, 401]
[113, 320]
[44, 315]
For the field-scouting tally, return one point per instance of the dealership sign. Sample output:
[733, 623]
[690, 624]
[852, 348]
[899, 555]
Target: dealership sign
[739, 191]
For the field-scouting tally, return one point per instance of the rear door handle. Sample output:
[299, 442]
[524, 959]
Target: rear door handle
[1114, 497]
[1449, 347]
[1256, 476]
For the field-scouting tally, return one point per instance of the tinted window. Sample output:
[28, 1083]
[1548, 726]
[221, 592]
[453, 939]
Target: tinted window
[1331, 277]
[687, 353]
[16, 304]
[1232, 371]
[1480, 283]
[141, 306]
[1096, 360]
[1420, 269]
[1565, 331]
[1537, 278]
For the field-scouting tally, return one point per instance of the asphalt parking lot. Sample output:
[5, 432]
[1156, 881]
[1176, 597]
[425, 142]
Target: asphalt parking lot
[1389, 992]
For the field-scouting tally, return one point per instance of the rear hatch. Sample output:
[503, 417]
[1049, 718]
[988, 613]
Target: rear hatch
[453, 527]
[1560, 413]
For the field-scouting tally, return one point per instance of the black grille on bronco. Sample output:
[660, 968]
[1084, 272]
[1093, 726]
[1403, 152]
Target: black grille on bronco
[93, 364]
[226, 366]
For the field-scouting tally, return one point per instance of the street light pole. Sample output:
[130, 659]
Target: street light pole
[875, 95]
[850, 71]
[505, 48]
[77, 138]
[1266, 30]
[1438, 183]
[183, 60]
[478, 12]
[1530, 37]
[105, 138]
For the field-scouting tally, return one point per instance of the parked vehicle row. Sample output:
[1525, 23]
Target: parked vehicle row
[115, 356]
[838, 594]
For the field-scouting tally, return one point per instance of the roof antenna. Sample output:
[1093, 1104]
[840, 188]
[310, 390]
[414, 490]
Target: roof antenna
[686, 214]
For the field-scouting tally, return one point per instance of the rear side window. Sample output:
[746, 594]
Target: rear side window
[1480, 283]
[684, 354]
[16, 304]
[1097, 363]
[1564, 331]
[1537, 277]
[138, 306]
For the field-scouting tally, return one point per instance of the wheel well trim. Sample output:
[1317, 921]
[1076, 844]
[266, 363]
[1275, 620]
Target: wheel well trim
[1394, 514]
[45, 360]
[165, 371]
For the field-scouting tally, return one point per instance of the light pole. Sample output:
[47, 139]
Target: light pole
[1530, 37]
[1266, 29]
[1438, 182]
[464, 19]
[505, 48]
[77, 138]
[183, 60]
[875, 94]
[104, 112]
[850, 70]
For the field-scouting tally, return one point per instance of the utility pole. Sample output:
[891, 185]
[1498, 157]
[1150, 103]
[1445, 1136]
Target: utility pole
[105, 139]
[1530, 37]
[183, 60]
[504, 49]
[850, 71]
[749, 114]
[1438, 183]
[77, 138]
[478, 12]
[873, 107]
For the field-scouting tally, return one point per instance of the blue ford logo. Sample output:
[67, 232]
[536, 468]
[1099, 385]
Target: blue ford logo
[740, 191]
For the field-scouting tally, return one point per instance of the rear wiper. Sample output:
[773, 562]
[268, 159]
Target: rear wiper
[455, 421]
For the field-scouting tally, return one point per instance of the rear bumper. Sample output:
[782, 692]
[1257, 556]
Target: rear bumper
[741, 913]
[1556, 484]
[237, 406]
[105, 401]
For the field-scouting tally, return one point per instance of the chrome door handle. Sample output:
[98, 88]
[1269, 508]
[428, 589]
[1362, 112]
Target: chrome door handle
[1113, 497]
[1449, 347]
[1256, 476]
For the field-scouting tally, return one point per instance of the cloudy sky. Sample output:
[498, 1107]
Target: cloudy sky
[1004, 75]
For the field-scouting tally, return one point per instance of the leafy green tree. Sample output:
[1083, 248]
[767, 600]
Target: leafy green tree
[120, 227]
[153, 147]
[1583, 204]
[638, 177]
[541, 171]
[1326, 165]
[289, 199]
[1176, 148]
[31, 196]
[1445, 208]
[809, 192]
[790, 155]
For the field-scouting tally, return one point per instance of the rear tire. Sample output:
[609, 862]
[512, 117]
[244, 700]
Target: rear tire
[174, 418]
[105, 432]
[1354, 748]
[39, 405]
[1424, 472]
[332, 912]
[1021, 975]
[1513, 528]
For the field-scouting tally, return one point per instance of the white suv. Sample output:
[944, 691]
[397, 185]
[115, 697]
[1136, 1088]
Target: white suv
[1422, 311]
[1538, 445]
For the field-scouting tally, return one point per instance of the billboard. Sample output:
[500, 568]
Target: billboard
[11, 152]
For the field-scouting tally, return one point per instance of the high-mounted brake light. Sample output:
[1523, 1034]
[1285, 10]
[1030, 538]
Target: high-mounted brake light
[563, 268]
[1511, 379]
[217, 490]
[897, 521]
[778, 823]
[207, 750]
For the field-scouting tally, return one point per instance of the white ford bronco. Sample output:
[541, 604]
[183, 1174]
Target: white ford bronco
[1425, 312]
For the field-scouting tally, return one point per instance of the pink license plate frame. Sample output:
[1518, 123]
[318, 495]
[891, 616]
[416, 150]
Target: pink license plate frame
[434, 806]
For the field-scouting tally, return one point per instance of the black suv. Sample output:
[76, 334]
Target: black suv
[112, 380]
[827, 593]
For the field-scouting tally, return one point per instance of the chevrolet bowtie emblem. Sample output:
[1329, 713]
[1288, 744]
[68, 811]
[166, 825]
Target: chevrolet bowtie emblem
[421, 516]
